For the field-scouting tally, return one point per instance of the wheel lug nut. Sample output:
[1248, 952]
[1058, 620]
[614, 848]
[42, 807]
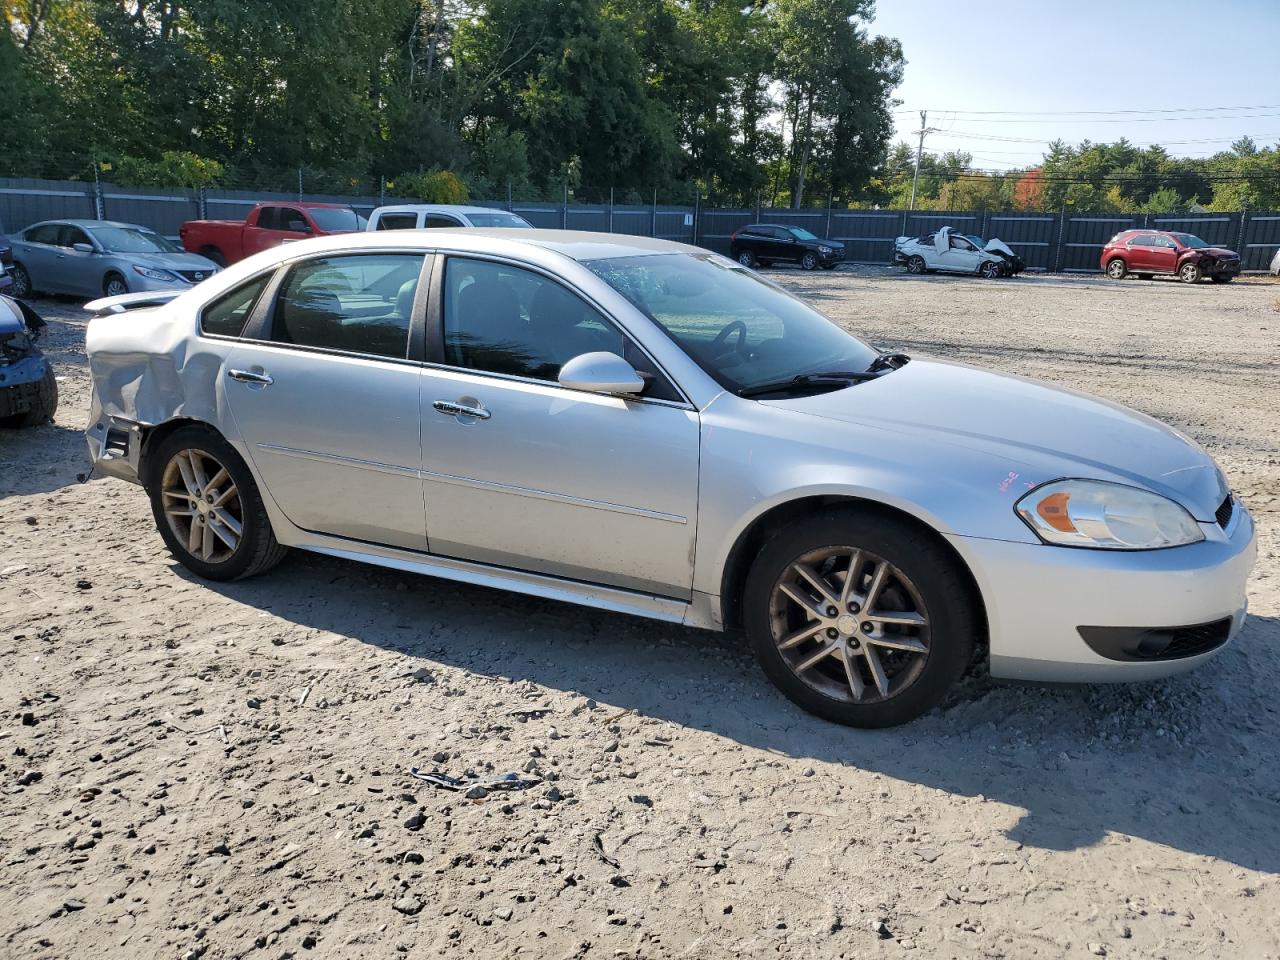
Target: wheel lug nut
[833, 633]
[867, 628]
[832, 611]
[854, 608]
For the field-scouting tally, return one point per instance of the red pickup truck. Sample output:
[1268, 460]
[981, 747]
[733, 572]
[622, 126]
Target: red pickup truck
[267, 225]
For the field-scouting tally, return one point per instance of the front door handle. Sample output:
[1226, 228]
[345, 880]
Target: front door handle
[248, 376]
[461, 410]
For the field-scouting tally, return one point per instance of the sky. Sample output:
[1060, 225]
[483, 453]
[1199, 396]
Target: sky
[1043, 62]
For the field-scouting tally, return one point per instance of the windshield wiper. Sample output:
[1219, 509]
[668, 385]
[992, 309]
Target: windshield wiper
[834, 378]
[888, 361]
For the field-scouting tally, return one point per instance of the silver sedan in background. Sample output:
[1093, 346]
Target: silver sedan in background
[651, 428]
[90, 258]
[1275, 264]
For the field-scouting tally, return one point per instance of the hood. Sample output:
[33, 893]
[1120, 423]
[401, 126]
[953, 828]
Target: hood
[169, 261]
[1218, 252]
[833, 244]
[996, 245]
[11, 320]
[1037, 431]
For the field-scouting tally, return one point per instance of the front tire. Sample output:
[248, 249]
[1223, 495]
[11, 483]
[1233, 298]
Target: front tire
[1190, 273]
[207, 506]
[1117, 269]
[22, 288]
[916, 265]
[990, 270]
[809, 261]
[113, 285]
[859, 617]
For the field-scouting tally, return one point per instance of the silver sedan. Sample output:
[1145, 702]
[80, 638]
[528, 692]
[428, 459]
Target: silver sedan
[90, 258]
[650, 428]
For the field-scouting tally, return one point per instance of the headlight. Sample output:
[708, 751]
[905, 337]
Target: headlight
[163, 275]
[1106, 516]
[825, 251]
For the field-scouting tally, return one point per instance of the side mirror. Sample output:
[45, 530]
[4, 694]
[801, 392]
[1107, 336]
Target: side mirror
[82, 247]
[601, 373]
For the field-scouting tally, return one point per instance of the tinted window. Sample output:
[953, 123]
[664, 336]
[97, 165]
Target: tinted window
[800, 233]
[358, 304]
[69, 236]
[498, 219]
[397, 221]
[1162, 242]
[269, 218]
[336, 219]
[742, 329]
[437, 220]
[226, 316]
[503, 319]
[292, 221]
[1140, 242]
[46, 233]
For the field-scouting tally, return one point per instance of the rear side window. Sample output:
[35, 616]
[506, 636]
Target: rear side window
[1141, 242]
[397, 221]
[226, 316]
[356, 304]
[47, 233]
[437, 220]
[269, 218]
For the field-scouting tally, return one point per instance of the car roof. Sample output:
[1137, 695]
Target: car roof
[437, 207]
[90, 224]
[574, 244]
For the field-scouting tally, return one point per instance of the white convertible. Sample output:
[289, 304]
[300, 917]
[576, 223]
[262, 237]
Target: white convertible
[951, 252]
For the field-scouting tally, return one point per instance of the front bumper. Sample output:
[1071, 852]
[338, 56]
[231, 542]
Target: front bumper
[1038, 597]
[1224, 268]
[20, 385]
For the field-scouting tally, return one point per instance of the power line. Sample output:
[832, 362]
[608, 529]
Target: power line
[1098, 113]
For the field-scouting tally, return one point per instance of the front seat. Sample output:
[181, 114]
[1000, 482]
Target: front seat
[489, 333]
[556, 332]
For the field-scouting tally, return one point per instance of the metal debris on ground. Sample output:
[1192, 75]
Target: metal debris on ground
[508, 782]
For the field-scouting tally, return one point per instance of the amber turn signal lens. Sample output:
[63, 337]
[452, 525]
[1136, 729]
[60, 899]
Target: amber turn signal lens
[1053, 510]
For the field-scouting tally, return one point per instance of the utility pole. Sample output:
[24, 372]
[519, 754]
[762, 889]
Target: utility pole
[915, 178]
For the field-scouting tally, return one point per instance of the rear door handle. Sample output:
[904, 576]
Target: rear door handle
[461, 410]
[247, 376]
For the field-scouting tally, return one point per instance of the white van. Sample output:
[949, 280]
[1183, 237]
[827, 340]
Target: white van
[415, 216]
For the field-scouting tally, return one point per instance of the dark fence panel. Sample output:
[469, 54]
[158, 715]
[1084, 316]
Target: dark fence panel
[26, 201]
[1045, 240]
[1261, 240]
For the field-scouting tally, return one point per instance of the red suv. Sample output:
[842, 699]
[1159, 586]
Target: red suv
[1148, 252]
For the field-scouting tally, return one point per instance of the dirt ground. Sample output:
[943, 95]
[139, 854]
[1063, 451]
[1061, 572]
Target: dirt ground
[192, 769]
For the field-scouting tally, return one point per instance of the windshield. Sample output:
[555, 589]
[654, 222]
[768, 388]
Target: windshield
[800, 233]
[336, 219]
[130, 240]
[1190, 240]
[497, 220]
[740, 328]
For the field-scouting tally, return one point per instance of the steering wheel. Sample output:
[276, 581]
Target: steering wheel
[718, 346]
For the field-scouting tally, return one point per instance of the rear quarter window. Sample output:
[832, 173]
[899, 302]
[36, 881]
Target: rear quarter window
[226, 316]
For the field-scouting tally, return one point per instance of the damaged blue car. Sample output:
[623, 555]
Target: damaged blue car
[28, 390]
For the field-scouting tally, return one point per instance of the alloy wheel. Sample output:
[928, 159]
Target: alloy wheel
[1116, 270]
[21, 282]
[850, 625]
[202, 505]
[115, 287]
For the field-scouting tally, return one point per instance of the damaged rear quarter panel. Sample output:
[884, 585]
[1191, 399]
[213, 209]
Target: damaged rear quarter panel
[149, 367]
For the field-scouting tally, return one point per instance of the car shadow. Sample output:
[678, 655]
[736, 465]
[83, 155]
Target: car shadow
[1175, 755]
[40, 459]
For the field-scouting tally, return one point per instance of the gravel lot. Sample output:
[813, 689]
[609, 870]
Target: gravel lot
[192, 769]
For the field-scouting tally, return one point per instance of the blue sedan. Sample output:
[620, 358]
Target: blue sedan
[90, 258]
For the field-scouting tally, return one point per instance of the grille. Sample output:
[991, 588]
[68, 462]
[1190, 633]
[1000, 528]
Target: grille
[1225, 511]
[194, 276]
[1190, 641]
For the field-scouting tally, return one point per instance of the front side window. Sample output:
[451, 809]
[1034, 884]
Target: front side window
[397, 221]
[1141, 242]
[1190, 240]
[269, 218]
[356, 304]
[500, 318]
[292, 221]
[226, 316]
[69, 236]
[740, 328]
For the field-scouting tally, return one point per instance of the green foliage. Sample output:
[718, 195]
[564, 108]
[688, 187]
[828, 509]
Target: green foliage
[174, 168]
[441, 186]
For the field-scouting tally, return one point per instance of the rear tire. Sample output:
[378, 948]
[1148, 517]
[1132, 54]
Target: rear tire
[45, 406]
[746, 258]
[184, 510]
[1117, 269]
[1190, 273]
[214, 254]
[875, 674]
